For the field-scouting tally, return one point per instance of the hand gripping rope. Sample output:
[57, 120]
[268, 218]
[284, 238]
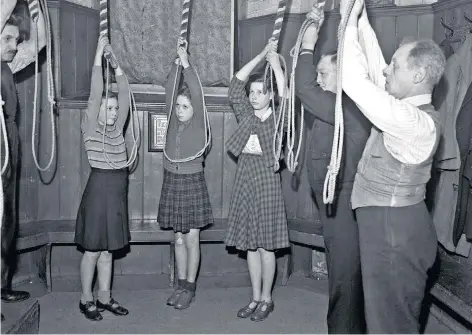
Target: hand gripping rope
[34, 12]
[111, 60]
[292, 160]
[184, 34]
[336, 153]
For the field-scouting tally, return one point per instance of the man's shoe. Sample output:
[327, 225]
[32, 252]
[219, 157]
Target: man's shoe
[113, 306]
[14, 296]
[186, 297]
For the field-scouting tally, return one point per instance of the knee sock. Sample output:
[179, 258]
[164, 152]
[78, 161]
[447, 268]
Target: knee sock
[104, 296]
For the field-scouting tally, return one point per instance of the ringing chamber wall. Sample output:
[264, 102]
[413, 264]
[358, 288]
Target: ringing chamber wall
[144, 36]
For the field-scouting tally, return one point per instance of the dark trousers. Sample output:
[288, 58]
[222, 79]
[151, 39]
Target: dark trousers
[9, 223]
[346, 301]
[398, 245]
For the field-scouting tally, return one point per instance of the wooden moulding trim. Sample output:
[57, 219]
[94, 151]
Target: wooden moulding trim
[151, 107]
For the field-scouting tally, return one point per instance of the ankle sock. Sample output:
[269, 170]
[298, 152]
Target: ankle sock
[84, 298]
[191, 286]
[104, 296]
[182, 283]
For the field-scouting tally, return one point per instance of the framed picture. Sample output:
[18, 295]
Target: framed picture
[157, 131]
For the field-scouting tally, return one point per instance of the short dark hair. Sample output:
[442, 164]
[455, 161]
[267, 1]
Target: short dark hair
[20, 18]
[111, 95]
[333, 57]
[13, 20]
[185, 92]
[258, 77]
[426, 54]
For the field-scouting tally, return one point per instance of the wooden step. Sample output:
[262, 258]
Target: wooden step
[21, 317]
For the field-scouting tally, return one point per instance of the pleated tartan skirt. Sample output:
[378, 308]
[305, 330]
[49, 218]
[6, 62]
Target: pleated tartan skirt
[102, 218]
[184, 203]
[257, 217]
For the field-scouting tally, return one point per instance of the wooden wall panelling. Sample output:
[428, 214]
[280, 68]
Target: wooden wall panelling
[69, 163]
[214, 163]
[54, 16]
[407, 26]
[78, 38]
[385, 29]
[258, 36]
[68, 53]
[28, 185]
[229, 163]
[48, 185]
[426, 26]
[84, 164]
[153, 170]
[135, 178]
[82, 78]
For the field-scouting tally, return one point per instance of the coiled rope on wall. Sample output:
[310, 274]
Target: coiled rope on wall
[338, 139]
[34, 6]
[113, 62]
[184, 24]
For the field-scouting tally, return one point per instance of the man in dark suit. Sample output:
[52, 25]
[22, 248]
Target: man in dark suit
[316, 87]
[16, 54]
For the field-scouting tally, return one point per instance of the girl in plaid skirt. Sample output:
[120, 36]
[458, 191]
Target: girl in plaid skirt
[257, 220]
[184, 204]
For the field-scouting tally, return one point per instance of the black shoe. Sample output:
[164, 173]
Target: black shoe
[89, 311]
[113, 306]
[262, 313]
[3, 318]
[175, 296]
[185, 298]
[14, 296]
[247, 311]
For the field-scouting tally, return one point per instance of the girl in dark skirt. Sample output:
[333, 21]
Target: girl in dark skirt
[102, 218]
[257, 220]
[184, 203]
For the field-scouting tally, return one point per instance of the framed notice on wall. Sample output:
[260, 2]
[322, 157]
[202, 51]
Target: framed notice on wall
[157, 131]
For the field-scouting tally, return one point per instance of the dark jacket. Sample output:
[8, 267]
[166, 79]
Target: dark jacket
[322, 105]
[249, 123]
[463, 219]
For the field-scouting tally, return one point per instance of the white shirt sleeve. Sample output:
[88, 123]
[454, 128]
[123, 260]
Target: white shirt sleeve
[409, 133]
[370, 45]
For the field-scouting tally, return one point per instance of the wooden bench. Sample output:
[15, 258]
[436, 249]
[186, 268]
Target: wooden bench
[45, 234]
[305, 233]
